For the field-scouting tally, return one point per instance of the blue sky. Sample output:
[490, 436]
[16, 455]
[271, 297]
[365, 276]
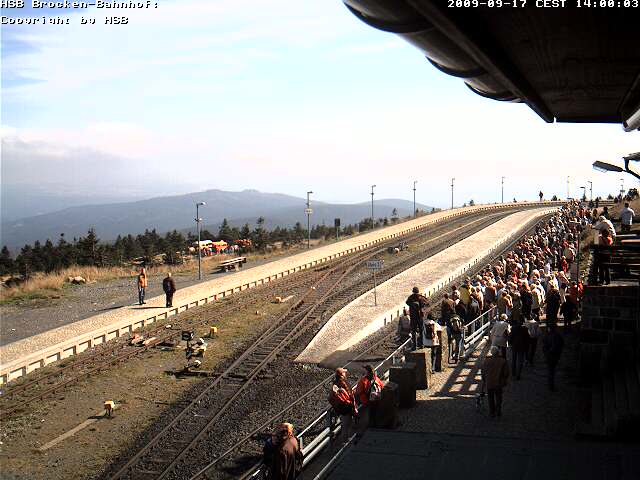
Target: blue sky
[278, 95]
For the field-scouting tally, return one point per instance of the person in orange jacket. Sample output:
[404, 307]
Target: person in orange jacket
[369, 392]
[142, 285]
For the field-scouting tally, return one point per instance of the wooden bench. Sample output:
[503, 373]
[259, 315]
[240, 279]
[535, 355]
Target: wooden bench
[232, 263]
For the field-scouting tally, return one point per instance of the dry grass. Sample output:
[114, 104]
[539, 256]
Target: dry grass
[51, 285]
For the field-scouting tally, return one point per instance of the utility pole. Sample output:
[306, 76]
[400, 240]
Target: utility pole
[502, 189]
[198, 221]
[590, 190]
[452, 180]
[308, 212]
[621, 188]
[414, 198]
[372, 222]
[568, 188]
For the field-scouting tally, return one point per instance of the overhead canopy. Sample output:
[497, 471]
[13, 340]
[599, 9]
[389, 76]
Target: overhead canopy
[568, 64]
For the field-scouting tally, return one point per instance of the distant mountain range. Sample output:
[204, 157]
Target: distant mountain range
[178, 212]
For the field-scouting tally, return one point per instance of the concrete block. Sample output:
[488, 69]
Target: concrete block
[405, 377]
[422, 359]
[387, 414]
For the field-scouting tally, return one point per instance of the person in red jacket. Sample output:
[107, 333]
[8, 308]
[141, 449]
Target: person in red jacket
[343, 402]
[369, 392]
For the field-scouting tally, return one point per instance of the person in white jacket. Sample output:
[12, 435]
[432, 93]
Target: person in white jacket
[499, 334]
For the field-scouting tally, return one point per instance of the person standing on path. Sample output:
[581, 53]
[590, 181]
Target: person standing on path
[552, 345]
[369, 392]
[495, 372]
[626, 218]
[500, 333]
[533, 330]
[519, 341]
[417, 304]
[142, 285]
[343, 403]
[169, 287]
[287, 458]
[552, 303]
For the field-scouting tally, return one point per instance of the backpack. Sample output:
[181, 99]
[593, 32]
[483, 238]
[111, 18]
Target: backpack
[340, 401]
[375, 392]
[456, 324]
[415, 312]
[430, 331]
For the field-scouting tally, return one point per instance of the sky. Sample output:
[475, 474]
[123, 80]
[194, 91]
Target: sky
[275, 95]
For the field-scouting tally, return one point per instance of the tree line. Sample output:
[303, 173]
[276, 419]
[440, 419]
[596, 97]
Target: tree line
[89, 250]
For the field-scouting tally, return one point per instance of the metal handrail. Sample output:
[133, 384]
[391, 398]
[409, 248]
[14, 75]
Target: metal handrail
[475, 330]
[322, 439]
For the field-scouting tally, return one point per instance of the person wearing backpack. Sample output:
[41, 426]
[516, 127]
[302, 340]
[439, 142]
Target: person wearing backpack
[432, 339]
[457, 335]
[417, 304]
[369, 392]
[343, 402]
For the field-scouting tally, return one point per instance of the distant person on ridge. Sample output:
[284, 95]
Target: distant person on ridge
[142, 285]
[169, 287]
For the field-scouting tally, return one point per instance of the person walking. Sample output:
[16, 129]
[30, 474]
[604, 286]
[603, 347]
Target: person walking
[533, 330]
[626, 218]
[142, 283]
[343, 402]
[500, 333]
[519, 341]
[495, 373]
[552, 303]
[417, 304]
[286, 463]
[169, 287]
[552, 345]
[369, 392]
[432, 341]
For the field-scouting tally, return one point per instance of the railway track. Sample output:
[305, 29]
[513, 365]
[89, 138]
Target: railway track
[15, 398]
[298, 411]
[175, 451]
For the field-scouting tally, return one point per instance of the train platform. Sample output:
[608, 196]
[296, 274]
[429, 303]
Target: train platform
[446, 435]
[20, 357]
[361, 317]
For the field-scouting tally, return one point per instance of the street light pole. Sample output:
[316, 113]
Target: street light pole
[309, 220]
[590, 190]
[414, 198]
[198, 220]
[372, 223]
[568, 188]
[584, 194]
[452, 192]
[502, 189]
[621, 188]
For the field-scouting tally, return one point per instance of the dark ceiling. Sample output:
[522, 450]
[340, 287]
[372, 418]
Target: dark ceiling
[568, 64]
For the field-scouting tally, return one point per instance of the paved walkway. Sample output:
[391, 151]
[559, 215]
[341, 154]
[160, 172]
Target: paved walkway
[361, 318]
[444, 436]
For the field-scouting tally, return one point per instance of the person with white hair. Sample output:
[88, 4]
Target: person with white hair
[495, 372]
[500, 333]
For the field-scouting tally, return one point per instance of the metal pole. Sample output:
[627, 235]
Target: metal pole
[375, 296]
[199, 250]
[621, 188]
[309, 220]
[372, 221]
[414, 198]
[590, 190]
[452, 192]
[568, 189]
[502, 189]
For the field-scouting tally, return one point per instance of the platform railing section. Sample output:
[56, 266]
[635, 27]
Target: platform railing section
[475, 330]
[317, 435]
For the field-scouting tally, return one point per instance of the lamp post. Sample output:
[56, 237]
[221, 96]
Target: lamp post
[452, 180]
[372, 223]
[198, 221]
[621, 188]
[308, 212]
[590, 190]
[414, 198]
[502, 189]
[568, 187]
[584, 194]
